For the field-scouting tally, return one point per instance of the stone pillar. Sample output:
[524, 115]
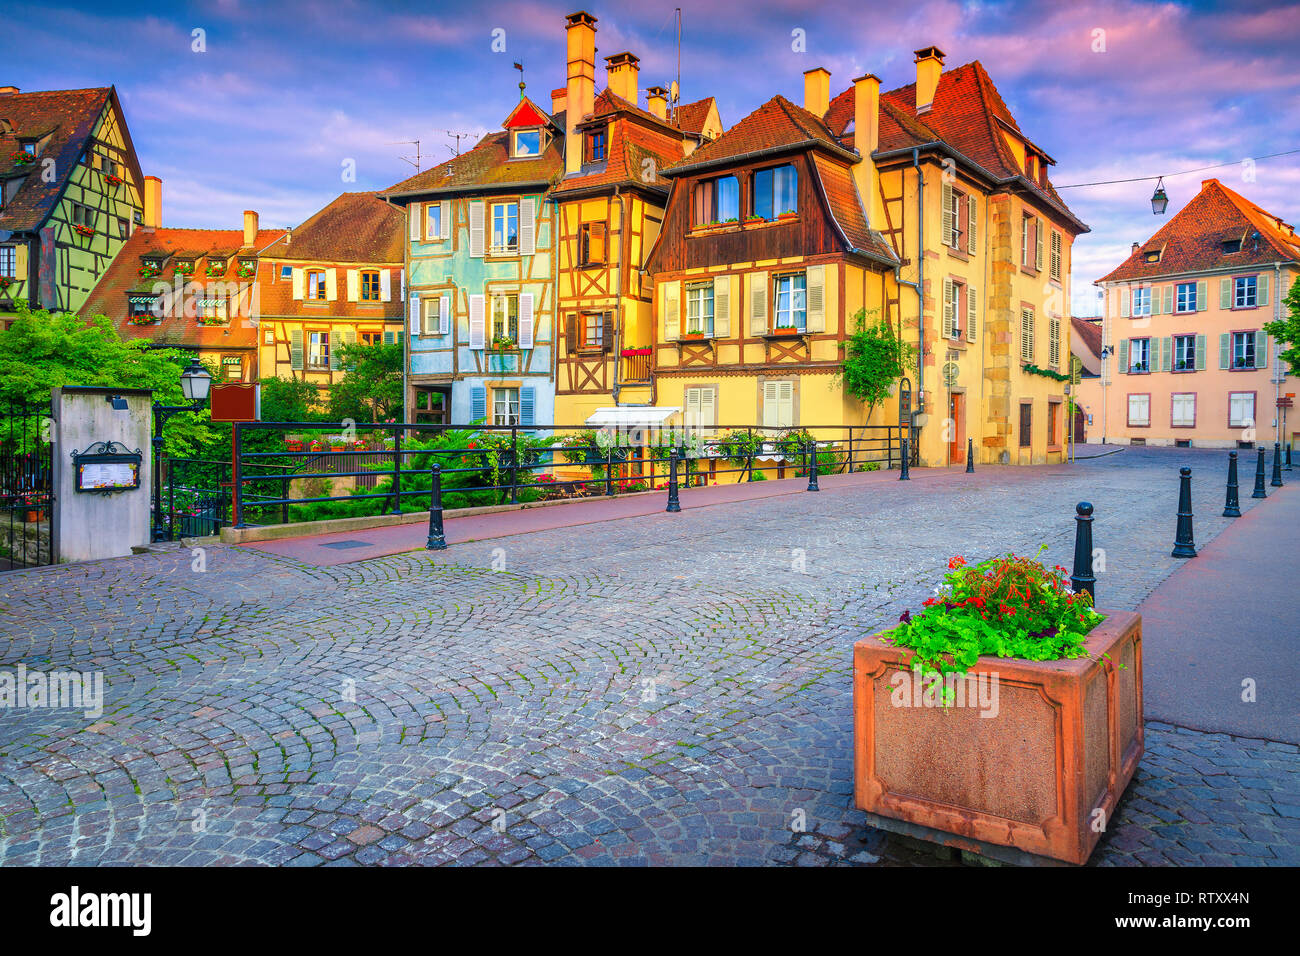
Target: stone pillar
[89, 525]
[999, 331]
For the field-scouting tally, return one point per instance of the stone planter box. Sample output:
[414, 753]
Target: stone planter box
[1037, 780]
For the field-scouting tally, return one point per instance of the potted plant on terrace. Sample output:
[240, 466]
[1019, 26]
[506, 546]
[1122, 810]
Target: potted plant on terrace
[1005, 717]
[787, 215]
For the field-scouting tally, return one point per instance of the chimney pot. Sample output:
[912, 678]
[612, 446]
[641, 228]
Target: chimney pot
[152, 215]
[1135, 249]
[657, 101]
[9, 89]
[250, 228]
[929, 67]
[866, 139]
[557, 100]
[580, 95]
[622, 71]
[817, 91]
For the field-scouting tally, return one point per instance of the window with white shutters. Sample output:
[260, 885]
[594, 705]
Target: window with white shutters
[1054, 342]
[1056, 255]
[701, 406]
[1241, 409]
[1183, 410]
[1139, 410]
[778, 404]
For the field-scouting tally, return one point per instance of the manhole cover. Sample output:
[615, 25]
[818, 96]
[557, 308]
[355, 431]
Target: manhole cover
[343, 545]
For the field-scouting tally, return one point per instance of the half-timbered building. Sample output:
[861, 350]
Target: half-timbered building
[71, 194]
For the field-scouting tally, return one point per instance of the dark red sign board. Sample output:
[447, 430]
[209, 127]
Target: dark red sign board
[234, 402]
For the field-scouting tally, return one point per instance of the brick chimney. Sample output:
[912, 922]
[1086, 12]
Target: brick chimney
[621, 71]
[250, 228]
[657, 101]
[929, 67]
[152, 202]
[1135, 248]
[580, 97]
[817, 91]
[9, 89]
[866, 139]
[557, 100]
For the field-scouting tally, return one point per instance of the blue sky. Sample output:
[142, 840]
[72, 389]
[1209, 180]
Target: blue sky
[286, 96]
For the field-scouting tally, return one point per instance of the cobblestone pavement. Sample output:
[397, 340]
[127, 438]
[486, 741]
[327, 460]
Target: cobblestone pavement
[666, 689]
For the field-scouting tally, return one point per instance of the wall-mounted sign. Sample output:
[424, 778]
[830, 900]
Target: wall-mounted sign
[234, 402]
[950, 373]
[106, 467]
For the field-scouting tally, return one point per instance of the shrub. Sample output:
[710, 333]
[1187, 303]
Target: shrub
[1010, 606]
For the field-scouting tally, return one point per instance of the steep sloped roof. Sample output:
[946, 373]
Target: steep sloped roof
[487, 165]
[691, 117]
[846, 209]
[967, 113]
[355, 227]
[122, 279]
[1085, 343]
[1193, 239]
[635, 136]
[68, 117]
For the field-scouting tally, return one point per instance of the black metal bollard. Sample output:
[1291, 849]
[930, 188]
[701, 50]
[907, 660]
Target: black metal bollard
[810, 455]
[1277, 465]
[673, 503]
[1231, 506]
[1288, 456]
[902, 472]
[1083, 579]
[970, 456]
[437, 539]
[1184, 547]
[1259, 477]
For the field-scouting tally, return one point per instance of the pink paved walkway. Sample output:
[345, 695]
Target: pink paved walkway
[322, 549]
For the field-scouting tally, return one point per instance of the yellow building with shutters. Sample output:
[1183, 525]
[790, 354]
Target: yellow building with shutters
[335, 280]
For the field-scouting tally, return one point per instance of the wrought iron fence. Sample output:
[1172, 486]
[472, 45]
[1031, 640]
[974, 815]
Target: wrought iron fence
[304, 471]
[26, 487]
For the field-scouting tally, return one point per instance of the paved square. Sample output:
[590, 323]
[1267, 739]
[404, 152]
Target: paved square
[659, 689]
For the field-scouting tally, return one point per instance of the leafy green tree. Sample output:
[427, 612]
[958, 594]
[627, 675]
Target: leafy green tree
[42, 350]
[1286, 331]
[290, 400]
[371, 387]
[874, 358]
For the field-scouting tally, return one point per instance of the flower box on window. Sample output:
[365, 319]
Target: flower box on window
[692, 335]
[84, 230]
[211, 320]
[7, 281]
[786, 330]
[247, 271]
[184, 268]
[216, 272]
[146, 319]
[113, 180]
[147, 272]
[23, 158]
[787, 215]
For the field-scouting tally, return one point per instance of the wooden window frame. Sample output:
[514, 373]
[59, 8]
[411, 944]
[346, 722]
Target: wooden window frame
[584, 244]
[1054, 429]
[507, 249]
[587, 342]
[1232, 306]
[307, 364]
[514, 142]
[707, 326]
[493, 392]
[9, 255]
[1173, 361]
[307, 286]
[711, 185]
[753, 191]
[598, 134]
[1025, 435]
[491, 330]
[1173, 396]
[1254, 350]
[773, 291]
[1178, 287]
[1128, 409]
[361, 292]
[1131, 370]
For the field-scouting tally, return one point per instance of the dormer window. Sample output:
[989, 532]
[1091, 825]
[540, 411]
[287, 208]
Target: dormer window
[716, 200]
[776, 191]
[29, 148]
[1152, 256]
[596, 145]
[1231, 246]
[526, 143]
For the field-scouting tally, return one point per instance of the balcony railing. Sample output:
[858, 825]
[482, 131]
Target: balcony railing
[636, 365]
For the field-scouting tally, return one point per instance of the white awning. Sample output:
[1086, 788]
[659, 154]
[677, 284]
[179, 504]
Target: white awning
[631, 416]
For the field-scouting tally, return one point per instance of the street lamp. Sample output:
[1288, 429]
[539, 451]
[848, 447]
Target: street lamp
[195, 385]
[1159, 199]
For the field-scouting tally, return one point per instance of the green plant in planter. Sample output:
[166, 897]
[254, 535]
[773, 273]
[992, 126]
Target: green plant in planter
[1009, 606]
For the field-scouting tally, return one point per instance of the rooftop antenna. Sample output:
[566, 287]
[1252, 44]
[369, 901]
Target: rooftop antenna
[677, 87]
[520, 67]
[457, 137]
[406, 159]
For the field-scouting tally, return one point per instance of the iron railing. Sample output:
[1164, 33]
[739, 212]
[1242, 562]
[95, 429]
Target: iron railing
[26, 487]
[280, 477]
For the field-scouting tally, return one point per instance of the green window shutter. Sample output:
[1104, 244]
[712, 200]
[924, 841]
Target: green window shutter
[1225, 295]
[1261, 350]
[1166, 354]
[336, 341]
[1169, 300]
[947, 308]
[1200, 353]
[388, 337]
[1225, 349]
[1156, 299]
[1261, 297]
[295, 349]
[477, 403]
[1123, 356]
[1202, 295]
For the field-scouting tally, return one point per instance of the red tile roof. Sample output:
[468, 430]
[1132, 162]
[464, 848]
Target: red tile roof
[1192, 240]
[110, 297]
[69, 117]
[635, 136]
[846, 209]
[489, 165]
[691, 117]
[275, 292]
[967, 114]
[776, 123]
[1085, 343]
[355, 227]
